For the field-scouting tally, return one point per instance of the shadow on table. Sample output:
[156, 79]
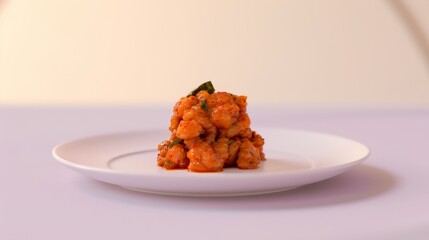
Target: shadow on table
[361, 183]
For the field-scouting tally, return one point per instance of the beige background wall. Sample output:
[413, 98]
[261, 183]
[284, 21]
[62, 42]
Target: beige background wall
[323, 53]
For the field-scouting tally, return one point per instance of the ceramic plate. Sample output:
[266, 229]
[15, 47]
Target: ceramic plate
[294, 158]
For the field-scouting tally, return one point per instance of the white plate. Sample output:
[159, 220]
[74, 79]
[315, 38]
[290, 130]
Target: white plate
[294, 158]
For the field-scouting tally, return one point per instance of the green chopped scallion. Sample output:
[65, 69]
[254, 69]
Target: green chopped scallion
[175, 141]
[204, 106]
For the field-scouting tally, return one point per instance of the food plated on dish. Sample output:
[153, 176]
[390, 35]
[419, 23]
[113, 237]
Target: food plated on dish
[209, 131]
[294, 158]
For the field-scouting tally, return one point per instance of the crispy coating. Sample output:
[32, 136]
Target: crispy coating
[181, 106]
[233, 148]
[202, 158]
[210, 132]
[188, 129]
[162, 148]
[199, 115]
[258, 142]
[238, 127]
[224, 110]
[221, 149]
[248, 156]
[176, 157]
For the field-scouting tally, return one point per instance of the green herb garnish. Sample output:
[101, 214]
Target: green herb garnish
[208, 86]
[174, 142]
[204, 106]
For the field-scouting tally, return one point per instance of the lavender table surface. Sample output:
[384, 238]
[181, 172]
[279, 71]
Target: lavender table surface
[387, 197]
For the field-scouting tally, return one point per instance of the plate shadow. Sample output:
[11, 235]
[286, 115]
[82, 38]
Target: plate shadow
[362, 182]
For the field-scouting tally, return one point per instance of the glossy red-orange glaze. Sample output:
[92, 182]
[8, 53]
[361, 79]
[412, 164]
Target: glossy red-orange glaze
[210, 132]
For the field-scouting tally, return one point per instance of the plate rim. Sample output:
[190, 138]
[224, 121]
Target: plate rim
[90, 171]
[68, 163]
